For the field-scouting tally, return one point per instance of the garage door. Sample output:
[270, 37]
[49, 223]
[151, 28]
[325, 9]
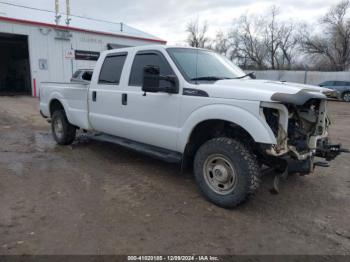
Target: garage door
[14, 65]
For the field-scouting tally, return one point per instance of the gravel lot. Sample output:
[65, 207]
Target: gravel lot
[98, 198]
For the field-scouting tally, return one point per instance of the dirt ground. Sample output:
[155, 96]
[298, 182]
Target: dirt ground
[98, 198]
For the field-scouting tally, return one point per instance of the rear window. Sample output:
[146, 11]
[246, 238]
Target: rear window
[112, 69]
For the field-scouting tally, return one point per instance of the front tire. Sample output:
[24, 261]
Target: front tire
[63, 132]
[346, 96]
[226, 172]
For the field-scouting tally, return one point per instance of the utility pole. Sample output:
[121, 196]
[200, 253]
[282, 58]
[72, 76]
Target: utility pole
[68, 19]
[57, 11]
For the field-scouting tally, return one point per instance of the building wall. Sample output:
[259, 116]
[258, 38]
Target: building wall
[43, 46]
[308, 77]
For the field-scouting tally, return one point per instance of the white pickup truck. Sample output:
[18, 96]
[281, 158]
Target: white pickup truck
[195, 107]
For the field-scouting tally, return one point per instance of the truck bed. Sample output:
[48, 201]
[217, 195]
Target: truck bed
[73, 96]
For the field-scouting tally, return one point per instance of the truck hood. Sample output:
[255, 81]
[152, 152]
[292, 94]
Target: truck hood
[263, 90]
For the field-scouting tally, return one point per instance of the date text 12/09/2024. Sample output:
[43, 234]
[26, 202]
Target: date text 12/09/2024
[172, 258]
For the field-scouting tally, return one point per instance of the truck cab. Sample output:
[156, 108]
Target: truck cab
[197, 108]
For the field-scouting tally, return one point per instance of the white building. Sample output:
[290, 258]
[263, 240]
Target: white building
[34, 49]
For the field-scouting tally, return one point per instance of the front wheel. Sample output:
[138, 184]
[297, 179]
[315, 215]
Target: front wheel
[346, 97]
[63, 132]
[226, 171]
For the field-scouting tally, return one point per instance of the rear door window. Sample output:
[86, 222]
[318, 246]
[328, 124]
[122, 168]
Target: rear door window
[112, 69]
[339, 83]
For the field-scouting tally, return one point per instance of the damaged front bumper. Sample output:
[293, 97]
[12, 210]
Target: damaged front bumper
[301, 133]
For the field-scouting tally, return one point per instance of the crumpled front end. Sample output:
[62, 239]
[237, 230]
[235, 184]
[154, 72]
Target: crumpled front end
[301, 130]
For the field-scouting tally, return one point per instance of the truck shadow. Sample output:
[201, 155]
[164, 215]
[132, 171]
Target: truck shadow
[114, 155]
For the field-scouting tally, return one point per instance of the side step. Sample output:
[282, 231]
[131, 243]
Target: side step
[155, 152]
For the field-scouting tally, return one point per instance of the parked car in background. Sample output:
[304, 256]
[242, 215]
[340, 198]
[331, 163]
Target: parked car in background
[342, 89]
[82, 76]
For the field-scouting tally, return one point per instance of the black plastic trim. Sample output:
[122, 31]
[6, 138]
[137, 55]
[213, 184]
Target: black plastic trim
[124, 99]
[194, 92]
[153, 151]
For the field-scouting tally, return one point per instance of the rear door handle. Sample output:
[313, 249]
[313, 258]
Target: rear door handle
[94, 96]
[124, 99]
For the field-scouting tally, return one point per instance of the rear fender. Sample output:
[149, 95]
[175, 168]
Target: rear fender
[59, 97]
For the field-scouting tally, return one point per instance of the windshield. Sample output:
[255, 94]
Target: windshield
[198, 64]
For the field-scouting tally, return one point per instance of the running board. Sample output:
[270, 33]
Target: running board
[155, 152]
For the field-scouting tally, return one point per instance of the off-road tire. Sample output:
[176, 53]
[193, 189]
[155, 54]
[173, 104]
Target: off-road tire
[345, 96]
[68, 130]
[244, 164]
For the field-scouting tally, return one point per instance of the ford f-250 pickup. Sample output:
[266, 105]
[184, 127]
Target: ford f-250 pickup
[195, 107]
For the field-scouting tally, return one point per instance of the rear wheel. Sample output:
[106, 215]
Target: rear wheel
[346, 96]
[226, 171]
[63, 132]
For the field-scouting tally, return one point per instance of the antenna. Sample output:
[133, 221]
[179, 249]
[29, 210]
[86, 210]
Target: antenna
[196, 65]
[68, 19]
[57, 11]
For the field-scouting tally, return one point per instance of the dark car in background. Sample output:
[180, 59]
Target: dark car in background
[342, 88]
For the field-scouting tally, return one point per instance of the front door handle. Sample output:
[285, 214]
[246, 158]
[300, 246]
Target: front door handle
[94, 96]
[124, 99]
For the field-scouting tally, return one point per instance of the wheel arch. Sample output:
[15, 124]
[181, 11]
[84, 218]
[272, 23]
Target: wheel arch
[57, 101]
[55, 104]
[243, 120]
[212, 128]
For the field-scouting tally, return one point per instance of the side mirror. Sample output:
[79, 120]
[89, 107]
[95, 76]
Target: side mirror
[152, 78]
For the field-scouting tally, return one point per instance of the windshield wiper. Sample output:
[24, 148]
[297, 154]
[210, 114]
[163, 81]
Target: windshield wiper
[251, 75]
[209, 78]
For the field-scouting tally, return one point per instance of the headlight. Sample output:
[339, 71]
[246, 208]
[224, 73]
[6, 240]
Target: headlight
[330, 93]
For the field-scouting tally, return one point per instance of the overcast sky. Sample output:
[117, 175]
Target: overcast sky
[167, 19]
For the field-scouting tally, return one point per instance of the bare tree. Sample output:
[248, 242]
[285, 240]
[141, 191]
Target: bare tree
[273, 38]
[221, 43]
[281, 40]
[263, 42]
[197, 34]
[333, 45]
[246, 43]
[288, 43]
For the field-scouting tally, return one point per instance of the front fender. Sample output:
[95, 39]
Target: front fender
[255, 125]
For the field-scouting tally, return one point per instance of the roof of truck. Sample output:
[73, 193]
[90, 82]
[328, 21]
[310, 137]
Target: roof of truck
[150, 47]
[24, 15]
